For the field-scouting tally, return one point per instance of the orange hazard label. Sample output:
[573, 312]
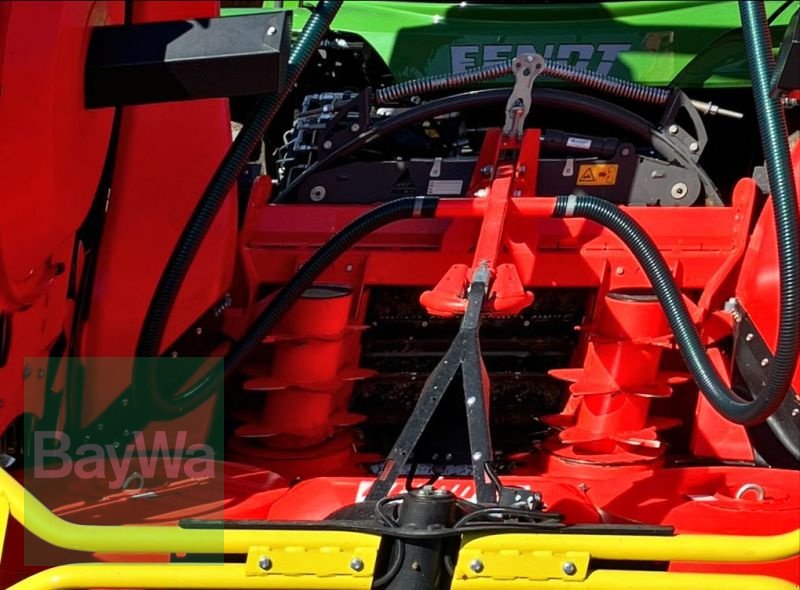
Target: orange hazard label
[597, 174]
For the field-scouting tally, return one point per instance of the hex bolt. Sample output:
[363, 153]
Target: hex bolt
[795, 412]
[569, 568]
[620, 270]
[327, 145]
[356, 564]
[265, 563]
[476, 565]
[272, 30]
[471, 400]
[673, 129]
[749, 337]
[694, 147]
[764, 362]
[476, 456]
[355, 127]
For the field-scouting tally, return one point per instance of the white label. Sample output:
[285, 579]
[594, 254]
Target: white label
[445, 187]
[579, 143]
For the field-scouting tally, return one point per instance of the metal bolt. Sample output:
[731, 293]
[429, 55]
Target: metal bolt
[416, 566]
[356, 564]
[327, 145]
[487, 170]
[620, 270]
[679, 190]
[265, 563]
[523, 169]
[569, 568]
[764, 362]
[795, 412]
[749, 337]
[40, 373]
[124, 402]
[355, 127]
[318, 193]
[694, 147]
[477, 455]
[348, 268]
[27, 371]
[198, 330]
[471, 400]
[517, 193]
[529, 58]
[272, 30]
[476, 565]
[626, 151]
[174, 354]
[448, 457]
[673, 129]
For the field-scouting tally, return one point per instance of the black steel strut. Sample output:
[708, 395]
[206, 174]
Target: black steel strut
[464, 357]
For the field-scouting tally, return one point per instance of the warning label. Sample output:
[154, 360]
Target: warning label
[597, 174]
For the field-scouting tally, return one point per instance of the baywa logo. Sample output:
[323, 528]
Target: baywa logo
[54, 458]
[584, 56]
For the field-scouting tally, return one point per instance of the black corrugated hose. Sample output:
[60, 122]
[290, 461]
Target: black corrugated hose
[403, 208]
[150, 339]
[775, 141]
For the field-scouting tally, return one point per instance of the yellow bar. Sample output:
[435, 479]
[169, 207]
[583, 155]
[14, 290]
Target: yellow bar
[686, 547]
[40, 521]
[185, 576]
[163, 575]
[627, 580]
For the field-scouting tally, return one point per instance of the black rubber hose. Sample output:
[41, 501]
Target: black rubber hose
[185, 251]
[542, 97]
[775, 143]
[403, 208]
[655, 267]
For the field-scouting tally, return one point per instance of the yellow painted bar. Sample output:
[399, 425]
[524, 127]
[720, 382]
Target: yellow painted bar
[171, 539]
[628, 580]
[40, 521]
[686, 547]
[186, 576]
[162, 575]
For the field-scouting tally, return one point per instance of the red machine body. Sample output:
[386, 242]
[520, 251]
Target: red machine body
[608, 458]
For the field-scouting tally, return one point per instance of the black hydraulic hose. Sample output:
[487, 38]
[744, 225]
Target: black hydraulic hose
[775, 143]
[185, 251]
[403, 208]
[588, 79]
[655, 267]
[617, 116]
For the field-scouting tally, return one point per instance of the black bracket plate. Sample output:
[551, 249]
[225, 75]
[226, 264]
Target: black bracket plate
[187, 59]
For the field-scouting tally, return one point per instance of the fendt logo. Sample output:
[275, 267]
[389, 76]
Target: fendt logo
[172, 459]
[584, 56]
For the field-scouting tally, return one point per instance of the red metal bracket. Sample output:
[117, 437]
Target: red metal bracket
[506, 170]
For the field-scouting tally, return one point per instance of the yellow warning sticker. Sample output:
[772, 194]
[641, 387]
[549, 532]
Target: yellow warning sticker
[597, 174]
